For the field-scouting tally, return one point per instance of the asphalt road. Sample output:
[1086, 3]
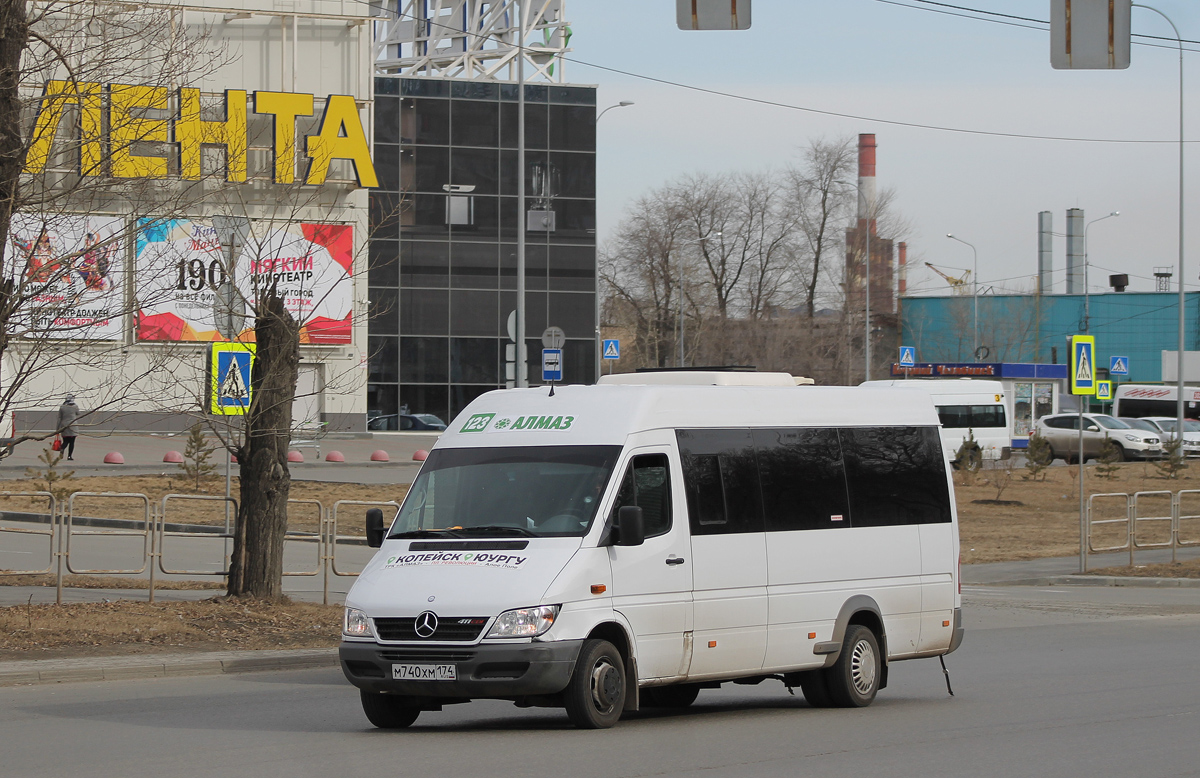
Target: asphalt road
[1095, 682]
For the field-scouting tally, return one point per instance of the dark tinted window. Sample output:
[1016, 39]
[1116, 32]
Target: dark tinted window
[895, 475]
[647, 484]
[803, 480]
[971, 416]
[720, 474]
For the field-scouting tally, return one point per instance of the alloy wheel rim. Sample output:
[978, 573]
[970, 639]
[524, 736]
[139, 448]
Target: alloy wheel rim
[862, 667]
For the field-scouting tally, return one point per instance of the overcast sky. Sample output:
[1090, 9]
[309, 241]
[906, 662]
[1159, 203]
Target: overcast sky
[904, 62]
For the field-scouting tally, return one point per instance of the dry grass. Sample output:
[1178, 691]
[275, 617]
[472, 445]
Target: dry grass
[1188, 569]
[106, 582]
[302, 516]
[124, 627]
[1045, 523]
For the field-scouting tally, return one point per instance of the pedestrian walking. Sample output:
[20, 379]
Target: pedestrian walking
[68, 412]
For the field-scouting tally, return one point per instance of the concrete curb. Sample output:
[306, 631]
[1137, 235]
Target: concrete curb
[1096, 580]
[39, 671]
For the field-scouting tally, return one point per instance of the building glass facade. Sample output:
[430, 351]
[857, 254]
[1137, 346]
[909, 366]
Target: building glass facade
[443, 240]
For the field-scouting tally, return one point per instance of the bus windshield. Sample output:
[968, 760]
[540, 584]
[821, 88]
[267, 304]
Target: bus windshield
[531, 491]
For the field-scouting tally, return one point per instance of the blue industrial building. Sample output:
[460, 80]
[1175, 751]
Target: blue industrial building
[1035, 328]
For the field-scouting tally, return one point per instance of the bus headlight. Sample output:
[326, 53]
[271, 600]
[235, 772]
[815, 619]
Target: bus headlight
[355, 624]
[524, 622]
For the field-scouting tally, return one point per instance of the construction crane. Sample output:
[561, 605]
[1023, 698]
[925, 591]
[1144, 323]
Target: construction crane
[957, 285]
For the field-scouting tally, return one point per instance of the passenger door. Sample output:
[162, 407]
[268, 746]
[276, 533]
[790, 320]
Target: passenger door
[652, 582]
[729, 551]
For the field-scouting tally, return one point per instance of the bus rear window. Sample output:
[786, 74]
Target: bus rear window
[971, 416]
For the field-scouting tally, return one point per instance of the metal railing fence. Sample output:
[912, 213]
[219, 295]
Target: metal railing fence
[152, 527]
[1138, 521]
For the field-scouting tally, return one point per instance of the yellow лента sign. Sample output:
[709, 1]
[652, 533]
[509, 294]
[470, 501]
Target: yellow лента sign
[341, 134]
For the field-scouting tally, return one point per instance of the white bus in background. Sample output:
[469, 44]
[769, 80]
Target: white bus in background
[965, 406]
[1139, 400]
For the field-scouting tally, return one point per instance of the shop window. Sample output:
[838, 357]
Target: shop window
[424, 311]
[474, 123]
[473, 313]
[475, 361]
[424, 360]
[424, 263]
[382, 311]
[382, 360]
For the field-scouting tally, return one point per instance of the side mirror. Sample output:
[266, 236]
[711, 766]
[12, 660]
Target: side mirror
[375, 527]
[631, 526]
[1091, 428]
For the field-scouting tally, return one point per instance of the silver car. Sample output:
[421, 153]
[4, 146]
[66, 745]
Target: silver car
[1061, 431]
[1191, 432]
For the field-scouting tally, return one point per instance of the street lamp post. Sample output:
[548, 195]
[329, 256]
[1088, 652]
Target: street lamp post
[1182, 297]
[1087, 300]
[599, 340]
[974, 294]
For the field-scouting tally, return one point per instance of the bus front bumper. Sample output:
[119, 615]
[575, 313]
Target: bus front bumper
[464, 672]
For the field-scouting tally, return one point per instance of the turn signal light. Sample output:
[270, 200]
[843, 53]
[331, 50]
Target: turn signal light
[599, 588]
[812, 636]
[945, 624]
[712, 644]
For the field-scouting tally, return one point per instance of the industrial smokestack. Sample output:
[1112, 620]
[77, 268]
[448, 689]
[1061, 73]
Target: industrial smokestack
[1045, 253]
[866, 181]
[1075, 269]
[902, 272]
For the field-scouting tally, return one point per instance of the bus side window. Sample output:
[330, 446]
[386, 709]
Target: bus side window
[647, 484]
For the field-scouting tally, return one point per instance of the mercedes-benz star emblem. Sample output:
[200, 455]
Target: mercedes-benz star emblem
[426, 624]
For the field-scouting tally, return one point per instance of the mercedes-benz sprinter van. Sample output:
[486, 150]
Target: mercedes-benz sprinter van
[605, 548]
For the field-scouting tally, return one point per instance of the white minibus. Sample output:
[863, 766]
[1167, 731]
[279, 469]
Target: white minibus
[965, 407]
[614, 547]
[1139, 400]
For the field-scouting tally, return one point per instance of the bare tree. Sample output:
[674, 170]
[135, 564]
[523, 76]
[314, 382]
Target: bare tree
[823, 195]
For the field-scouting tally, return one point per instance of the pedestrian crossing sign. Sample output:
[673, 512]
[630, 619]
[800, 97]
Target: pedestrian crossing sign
[1083, 364]
[908, 356]
[1104, 390]
[612, 349]
[229, 376]
[1118, 366]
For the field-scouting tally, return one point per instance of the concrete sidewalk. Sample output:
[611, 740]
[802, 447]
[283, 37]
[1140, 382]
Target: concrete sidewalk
[143, 454]
[111, 668]
[1061, 571]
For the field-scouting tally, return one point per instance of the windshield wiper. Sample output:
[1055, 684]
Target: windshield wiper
[426, 533]
[500, 528]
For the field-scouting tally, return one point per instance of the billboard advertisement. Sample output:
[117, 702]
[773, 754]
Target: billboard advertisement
[70, 268]
[186, 292]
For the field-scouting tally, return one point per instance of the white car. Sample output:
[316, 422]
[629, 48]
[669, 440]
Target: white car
[1191, 432]
[1061, 431]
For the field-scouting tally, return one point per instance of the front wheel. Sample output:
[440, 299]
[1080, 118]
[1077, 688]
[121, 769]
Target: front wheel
[595, 696]
[853, 681]
[388, 711]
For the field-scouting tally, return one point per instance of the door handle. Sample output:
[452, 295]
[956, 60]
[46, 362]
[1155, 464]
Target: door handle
[675, 560]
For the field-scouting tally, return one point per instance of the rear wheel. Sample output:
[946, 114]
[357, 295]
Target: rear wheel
[595, 696]
[388, 711]
[679, 696]
[815, 688]
[853, 680]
